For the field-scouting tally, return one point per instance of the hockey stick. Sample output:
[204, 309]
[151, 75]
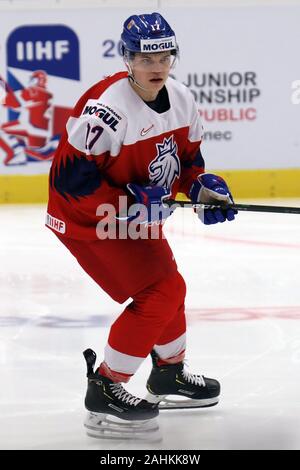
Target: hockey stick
[5, 90]
[238, 207]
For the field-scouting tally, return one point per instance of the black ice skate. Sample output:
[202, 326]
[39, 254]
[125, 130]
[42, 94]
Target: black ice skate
[114, 412]
[174, 379]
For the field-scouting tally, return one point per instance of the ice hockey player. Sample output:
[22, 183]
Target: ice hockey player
[135, 137]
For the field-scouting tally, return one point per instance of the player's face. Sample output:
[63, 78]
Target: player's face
[151, 70]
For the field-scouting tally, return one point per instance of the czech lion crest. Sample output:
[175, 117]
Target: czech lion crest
[166, 166]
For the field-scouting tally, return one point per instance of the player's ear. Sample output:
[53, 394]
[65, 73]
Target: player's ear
[127, 66]
[125, 55]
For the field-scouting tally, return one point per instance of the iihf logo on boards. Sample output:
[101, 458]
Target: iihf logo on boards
[36, 55]
[166, 166]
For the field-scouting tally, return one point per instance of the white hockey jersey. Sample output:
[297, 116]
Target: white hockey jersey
[113, 138]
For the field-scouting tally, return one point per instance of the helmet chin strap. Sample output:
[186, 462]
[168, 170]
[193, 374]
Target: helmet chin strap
[131, 77]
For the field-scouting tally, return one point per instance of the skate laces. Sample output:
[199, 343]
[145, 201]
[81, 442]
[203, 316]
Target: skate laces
[123, 395]
[193, 378]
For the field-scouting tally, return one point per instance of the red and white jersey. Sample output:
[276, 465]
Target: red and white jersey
[113, 138]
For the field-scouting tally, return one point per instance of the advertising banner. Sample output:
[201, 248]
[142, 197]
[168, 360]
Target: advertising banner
[240, 63]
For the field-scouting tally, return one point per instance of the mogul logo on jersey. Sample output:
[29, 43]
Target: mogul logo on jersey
[158, 45]
[166, 166]
[107, 115]
[35, 120]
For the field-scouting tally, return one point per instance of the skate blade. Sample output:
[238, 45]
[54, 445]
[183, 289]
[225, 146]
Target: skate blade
[104, 426]
[166, 403]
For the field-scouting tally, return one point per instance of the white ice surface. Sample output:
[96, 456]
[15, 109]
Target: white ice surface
[243, 311]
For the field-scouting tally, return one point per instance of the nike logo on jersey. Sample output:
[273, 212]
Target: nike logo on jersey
[145, 131]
